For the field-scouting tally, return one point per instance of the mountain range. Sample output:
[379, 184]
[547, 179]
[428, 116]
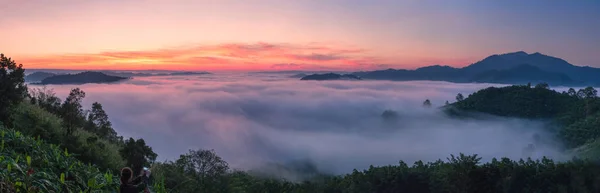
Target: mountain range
[38, 76]
[509, 68]
[331, 76]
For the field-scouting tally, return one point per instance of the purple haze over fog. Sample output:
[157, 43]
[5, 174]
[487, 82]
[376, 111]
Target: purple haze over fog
[250, 119]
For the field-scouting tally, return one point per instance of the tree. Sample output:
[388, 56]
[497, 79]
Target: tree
[572, 92]
[447, 103]
[542, 85]
[389, 115]
[12, 86]
[590, 92]
[460, 97]
[98, 123]
[206, 167]
[45, 98]
[581, 93]
[137, 154]
[427, 103]
[72, 112]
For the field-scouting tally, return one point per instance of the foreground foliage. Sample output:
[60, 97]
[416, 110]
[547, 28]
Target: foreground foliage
[32, 165]
[12, 86]
[458, 174]
[34, 121]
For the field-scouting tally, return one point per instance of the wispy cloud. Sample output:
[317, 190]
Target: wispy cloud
[253, 56]
[318, 57]
[286, 66]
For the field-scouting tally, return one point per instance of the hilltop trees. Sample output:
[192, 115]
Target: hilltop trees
[389, 115]
[137, 154]
[542, 85]
[588, 92]
[12, 86]
[577, 114]
[427, 103]
[97, 122]
[205, 168]
[459, 97]
[572, 92]
[72, 112]
[45, 98]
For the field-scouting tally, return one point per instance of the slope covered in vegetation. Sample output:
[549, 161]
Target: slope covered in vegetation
[577, 113]
[32, 165]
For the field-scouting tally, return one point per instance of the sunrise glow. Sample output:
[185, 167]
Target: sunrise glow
[284, 35]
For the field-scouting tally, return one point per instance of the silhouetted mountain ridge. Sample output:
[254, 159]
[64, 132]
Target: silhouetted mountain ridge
[38, 76]
[82, 78]
[509, 68]
[331, 76]
[523, 74]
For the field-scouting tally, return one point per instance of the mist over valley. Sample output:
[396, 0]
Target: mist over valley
[253, 119]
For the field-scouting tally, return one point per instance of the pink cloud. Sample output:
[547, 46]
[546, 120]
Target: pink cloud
[212, 57]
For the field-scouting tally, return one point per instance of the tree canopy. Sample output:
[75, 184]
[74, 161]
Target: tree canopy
[576, 113]
[12, 86]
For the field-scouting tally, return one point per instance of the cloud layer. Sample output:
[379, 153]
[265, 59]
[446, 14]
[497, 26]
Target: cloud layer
[252, 120]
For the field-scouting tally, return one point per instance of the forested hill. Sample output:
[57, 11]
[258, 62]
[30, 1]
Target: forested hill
[576, 112]
[82, 78]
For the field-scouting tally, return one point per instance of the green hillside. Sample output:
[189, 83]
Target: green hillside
[32, 165]
[576, 113]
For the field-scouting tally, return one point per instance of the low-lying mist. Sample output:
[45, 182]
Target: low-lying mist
[336, 125]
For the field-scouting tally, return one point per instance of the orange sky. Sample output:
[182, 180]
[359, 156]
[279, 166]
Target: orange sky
[288, 35]
[254, 56]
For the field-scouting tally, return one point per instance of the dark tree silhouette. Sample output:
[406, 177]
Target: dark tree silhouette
[572, 92]
[72, 112]
[589, 92]
[137, 154]
[427, 103]
[459, 97]
[98, 123]
[542, 85]
[205, 167]
[12, 86]
[45, 98]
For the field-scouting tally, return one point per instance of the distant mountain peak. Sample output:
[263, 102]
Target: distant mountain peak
[512, 67]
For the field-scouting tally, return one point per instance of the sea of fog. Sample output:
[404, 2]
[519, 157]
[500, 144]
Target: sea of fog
[251, 119]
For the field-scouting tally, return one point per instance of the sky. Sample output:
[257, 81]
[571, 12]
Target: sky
[292, 35]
